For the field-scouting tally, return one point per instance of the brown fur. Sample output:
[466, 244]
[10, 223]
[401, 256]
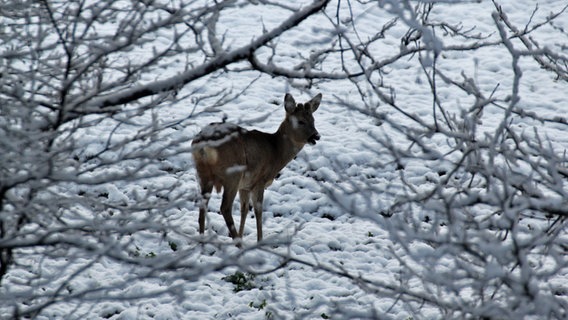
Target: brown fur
[237, 160]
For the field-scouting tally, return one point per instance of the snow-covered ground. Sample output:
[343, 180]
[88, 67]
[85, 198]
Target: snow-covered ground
[331, 247]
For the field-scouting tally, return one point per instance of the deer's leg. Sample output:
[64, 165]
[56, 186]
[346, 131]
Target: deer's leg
[257, 199]
[205, 195]
[226, 207]
[245, 201]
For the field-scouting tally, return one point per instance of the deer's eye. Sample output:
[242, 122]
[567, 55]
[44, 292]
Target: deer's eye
[302, 123]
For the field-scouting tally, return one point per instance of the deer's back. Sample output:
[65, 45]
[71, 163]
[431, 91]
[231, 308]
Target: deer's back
[225, 151]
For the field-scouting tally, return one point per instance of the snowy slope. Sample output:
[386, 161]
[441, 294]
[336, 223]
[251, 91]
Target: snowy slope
[324, 238]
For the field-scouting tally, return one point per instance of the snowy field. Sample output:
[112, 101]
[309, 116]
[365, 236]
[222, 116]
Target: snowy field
[331, 251]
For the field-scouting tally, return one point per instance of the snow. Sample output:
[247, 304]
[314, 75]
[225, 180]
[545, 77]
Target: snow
[319, 204]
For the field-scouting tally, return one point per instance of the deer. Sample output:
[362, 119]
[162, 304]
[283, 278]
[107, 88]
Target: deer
[230, 158]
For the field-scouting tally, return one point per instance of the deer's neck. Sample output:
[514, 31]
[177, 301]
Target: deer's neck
[286, 148]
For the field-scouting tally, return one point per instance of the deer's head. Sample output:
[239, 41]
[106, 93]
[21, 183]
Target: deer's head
[300, 121]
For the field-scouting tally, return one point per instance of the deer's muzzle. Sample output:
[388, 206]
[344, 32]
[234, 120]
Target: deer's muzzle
[313, 138]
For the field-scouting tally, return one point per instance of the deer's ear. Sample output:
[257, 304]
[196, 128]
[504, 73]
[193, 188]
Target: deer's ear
[289, 103]
[315, 102]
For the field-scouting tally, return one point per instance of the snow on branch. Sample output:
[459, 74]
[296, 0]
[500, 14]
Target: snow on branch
[219, 62]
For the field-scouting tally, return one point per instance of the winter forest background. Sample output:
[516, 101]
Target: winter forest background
[438, 189]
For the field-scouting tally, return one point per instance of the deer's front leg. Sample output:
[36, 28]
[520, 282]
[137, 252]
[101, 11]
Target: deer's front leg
[257, 199]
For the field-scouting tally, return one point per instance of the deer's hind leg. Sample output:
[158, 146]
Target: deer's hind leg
[206, 189]
[229, 194]
[244, 195]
